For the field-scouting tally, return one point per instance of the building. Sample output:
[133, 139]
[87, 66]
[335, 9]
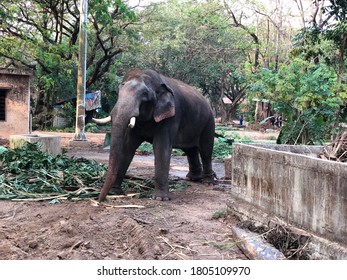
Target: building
[14, 102]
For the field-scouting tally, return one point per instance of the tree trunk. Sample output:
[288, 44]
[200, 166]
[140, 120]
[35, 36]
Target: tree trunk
[262, 111]
[228, 112]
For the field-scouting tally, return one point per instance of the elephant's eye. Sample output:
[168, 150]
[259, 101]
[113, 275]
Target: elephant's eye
[145, 95]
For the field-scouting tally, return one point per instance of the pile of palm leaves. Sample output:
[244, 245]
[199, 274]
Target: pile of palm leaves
[28, 173]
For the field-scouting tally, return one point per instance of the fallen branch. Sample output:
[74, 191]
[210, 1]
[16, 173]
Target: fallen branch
[63, 196]
[96, 204]
[337, 150]
[76, 245]
[130, 195]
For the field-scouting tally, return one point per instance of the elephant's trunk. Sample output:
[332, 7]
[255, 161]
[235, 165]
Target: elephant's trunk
[116, 147]
[121, 120]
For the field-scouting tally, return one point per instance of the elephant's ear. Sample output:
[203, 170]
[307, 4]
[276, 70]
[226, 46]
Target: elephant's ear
[165, 106]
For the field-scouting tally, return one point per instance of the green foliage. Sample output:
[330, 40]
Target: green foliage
[178, 185]
[61, 129]
[221, 128]
[306, 95]
[195, 41]
[223, 146]
[177, 152]
[228, 132]
[27, 173]
[69, 113]
[219, 214]
[144, 188]
[92, 127]
[43, 36]
[221, 149]
[145, 148]
[191, 41]
[308, 44]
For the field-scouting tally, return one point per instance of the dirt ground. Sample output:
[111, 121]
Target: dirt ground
[191, 226]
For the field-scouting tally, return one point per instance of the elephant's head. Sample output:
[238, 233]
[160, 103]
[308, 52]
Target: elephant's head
[144, 95]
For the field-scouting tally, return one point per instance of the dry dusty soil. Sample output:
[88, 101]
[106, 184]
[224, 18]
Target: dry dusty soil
[191, 226]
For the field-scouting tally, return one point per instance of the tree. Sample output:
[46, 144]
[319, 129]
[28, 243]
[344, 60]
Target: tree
[194, 42]
[307, 95]
[323, 40]
[337, 32]
[237, 22]
[42, 35]
[270, 32]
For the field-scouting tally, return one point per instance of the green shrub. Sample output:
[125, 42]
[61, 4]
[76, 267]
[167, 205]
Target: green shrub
[221, 149]
[145, 148]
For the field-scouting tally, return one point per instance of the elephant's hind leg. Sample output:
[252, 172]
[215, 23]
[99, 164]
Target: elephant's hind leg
[206, 149]
[195, 168]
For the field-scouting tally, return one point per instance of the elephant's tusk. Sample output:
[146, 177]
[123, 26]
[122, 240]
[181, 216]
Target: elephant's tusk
[102, 121]
[132, 122]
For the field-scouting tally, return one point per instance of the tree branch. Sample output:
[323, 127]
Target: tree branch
[100, 69]
[237, 23]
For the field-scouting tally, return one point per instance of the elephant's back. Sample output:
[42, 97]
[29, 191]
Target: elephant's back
[194, 113]
[188, 94]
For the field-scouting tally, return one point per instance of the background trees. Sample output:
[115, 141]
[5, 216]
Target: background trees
[237, 50]
[305, 94]
[314, 81]
[42, 35]
[193, 41]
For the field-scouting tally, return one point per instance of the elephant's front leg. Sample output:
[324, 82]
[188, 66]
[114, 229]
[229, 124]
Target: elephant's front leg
[162, 149]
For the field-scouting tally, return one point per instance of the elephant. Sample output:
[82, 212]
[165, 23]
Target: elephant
[168, 114]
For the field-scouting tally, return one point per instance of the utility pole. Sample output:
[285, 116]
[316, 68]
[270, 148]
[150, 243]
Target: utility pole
[81, 76]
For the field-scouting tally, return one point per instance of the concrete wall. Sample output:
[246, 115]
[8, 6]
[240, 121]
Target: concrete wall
[305, 191]
[49, 143]
[16, 83]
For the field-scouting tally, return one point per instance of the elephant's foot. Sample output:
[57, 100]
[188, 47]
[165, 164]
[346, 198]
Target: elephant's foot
[116, 191]
[210, 178]
[194, 176]
[161, 195]
[112, 191]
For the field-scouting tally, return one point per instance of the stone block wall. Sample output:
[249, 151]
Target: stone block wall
[292, 183]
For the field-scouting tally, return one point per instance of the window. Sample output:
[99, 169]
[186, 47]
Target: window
[2, 105]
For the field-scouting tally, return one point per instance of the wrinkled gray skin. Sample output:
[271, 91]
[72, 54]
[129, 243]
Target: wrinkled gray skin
[169, 114]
